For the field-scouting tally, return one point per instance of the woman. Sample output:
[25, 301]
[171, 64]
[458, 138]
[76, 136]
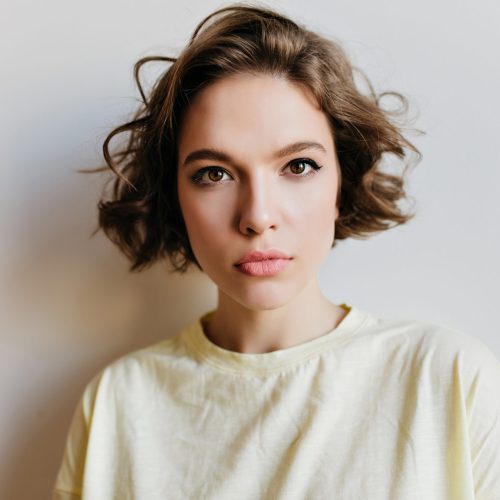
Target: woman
[254, 153]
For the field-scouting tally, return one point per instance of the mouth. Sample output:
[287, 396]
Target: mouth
[266, 267]
[256, 256]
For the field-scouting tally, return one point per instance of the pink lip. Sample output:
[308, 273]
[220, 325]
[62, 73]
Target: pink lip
[263, 263]
[266, 267]
[260, 256]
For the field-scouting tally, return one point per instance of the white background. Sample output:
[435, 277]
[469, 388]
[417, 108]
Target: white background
[68, 303]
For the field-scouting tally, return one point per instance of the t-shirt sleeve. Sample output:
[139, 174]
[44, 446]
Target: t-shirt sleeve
[69, 480]
[481, 371]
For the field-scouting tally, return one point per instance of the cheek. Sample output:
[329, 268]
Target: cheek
[317, 218]
[321, 205]
[319, 222]
[204, 221]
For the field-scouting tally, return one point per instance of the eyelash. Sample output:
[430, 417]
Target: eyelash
[197, 177]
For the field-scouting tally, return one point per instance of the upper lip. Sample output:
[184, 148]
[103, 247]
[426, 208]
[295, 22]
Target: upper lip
[257, 256]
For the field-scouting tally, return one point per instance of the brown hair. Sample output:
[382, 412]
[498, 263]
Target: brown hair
[143, 216]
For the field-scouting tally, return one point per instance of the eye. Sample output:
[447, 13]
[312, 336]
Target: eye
[214, 175]
[299, 165]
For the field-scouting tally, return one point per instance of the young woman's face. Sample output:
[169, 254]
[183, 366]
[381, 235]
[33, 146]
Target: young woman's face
[247, 181]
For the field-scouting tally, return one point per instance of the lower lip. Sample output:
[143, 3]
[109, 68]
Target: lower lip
[267, 267]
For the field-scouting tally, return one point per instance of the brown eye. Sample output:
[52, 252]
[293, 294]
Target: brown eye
[215, 175]
[297, 168]
[208, 176]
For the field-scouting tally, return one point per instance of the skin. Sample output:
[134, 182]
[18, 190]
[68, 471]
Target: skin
[256, 201]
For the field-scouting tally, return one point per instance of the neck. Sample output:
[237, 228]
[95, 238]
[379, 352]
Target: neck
[235, 327]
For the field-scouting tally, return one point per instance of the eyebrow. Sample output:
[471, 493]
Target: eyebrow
[216, 155]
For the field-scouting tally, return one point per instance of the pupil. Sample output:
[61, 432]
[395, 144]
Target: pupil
[214, 175]
[297, 168]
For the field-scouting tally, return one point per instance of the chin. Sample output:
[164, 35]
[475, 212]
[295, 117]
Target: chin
[271, 298]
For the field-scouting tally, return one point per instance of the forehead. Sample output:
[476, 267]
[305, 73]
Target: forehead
[253, 113]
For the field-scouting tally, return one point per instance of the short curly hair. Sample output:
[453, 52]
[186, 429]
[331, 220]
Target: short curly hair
[142, 215]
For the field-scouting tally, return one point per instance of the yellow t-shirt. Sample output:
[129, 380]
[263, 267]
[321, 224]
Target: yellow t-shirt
[374, 409]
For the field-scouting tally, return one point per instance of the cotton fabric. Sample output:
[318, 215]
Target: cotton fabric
[377, 408]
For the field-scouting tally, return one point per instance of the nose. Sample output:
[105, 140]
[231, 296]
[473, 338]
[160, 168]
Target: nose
[257, 211]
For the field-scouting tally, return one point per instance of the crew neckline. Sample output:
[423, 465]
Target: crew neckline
[274, 361]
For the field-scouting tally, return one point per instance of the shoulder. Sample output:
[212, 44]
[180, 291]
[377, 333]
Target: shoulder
[423, 347]
[429, 338]
[139, 371]
[437, 351]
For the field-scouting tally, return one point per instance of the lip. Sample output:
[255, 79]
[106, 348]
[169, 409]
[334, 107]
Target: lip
[256, 256]
[267, 267]
[265, 263]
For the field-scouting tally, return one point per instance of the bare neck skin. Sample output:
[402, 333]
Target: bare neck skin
[309, 315]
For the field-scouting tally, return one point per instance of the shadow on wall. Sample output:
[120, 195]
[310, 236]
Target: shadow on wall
[72, 307]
